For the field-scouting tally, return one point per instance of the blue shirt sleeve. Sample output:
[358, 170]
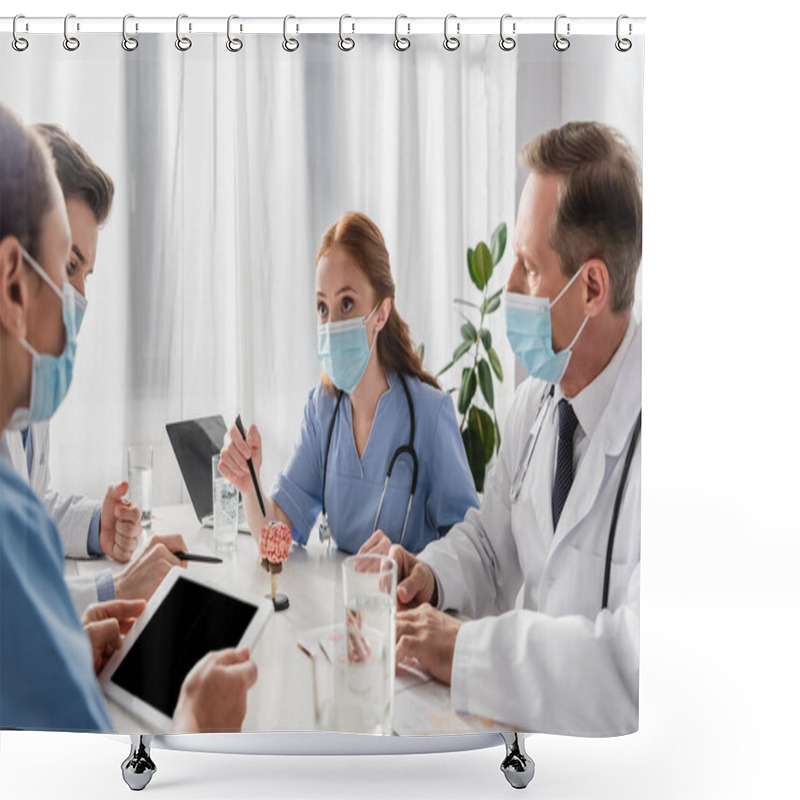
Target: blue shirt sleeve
[452, 491]
[48, 682]
[93, 542]
[106, 589]
[298, 487]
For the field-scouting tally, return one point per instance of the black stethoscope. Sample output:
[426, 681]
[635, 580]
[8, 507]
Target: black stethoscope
[525, 461]
[324, 527]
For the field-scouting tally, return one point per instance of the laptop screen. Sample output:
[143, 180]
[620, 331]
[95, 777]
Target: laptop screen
[195, 441]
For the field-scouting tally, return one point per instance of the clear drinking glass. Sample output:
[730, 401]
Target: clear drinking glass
[226, 509]
[370, 589]
[140, 479]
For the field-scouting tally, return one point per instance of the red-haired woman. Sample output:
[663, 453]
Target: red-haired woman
[379, 451]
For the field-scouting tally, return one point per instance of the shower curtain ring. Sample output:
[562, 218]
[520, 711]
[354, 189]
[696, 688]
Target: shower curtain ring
[19, 43]
[290, 44]
[71, 43]
[233, 44]
[401, 43]
[623, 45]
[507, 42]
[451, 42]
[561, 43]
[346, 43]
[183, 43]
[129, 43]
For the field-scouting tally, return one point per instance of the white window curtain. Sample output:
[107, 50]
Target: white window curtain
[229, 167]
[203, 300]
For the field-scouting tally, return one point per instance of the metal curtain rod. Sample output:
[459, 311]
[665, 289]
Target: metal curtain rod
[461, 26]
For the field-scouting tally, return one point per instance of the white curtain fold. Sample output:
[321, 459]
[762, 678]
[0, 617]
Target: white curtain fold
[229, 167]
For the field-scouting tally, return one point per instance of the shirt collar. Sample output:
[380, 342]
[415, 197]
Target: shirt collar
[590, 403]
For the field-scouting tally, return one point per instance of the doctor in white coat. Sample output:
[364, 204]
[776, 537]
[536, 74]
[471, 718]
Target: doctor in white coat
[88, 528]
[544, 650]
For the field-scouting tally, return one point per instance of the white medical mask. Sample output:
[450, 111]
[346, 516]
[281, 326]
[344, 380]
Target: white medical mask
[530, 333]
[343, 349]
[50, 375]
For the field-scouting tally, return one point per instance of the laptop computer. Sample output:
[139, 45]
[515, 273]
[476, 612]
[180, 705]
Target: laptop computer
[195, 442]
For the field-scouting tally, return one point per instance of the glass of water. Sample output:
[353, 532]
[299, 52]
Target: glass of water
[370, 588]
[226, 509]
[140, 480]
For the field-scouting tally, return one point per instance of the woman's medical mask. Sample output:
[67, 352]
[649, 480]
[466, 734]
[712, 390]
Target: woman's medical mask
[529, 331]
[343, 350]
[51, 375]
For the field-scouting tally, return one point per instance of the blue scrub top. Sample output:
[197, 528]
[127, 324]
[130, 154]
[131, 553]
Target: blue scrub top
[47, 680]
[445, 489]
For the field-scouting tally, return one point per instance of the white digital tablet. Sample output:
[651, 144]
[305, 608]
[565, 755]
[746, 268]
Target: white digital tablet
[184, 620]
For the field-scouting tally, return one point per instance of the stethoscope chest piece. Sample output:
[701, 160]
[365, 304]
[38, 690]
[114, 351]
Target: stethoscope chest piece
[324, 530]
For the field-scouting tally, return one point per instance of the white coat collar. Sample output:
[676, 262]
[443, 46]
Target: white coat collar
[14, 452]
[613, 432]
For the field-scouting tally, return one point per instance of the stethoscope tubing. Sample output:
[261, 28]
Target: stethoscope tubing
[527, 457]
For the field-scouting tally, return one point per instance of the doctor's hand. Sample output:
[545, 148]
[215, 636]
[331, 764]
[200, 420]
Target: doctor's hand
[416, 583]
[120, 525]
[234, 455]
[214, 694]
[429, 636]
[143, 576]
[105, 625]
[379, 544]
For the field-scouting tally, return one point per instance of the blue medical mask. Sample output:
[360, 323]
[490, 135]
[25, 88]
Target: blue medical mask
[343, 350]
[80, 310]
[530, 333]
[50, 375]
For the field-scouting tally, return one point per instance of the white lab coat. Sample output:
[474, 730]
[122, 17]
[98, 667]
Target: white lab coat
[559, 664]
[72, 513]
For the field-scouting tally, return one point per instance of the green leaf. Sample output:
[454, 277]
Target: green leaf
[471, 268]
[491, 305]
[485, 381]
[469, 383]
[468, 332]
[486, 338]
[499, 242]
[421, 351]
[466, 303]
[481, 422]
[461, 350]
[482, 264]
[494, 360]
[473, 447]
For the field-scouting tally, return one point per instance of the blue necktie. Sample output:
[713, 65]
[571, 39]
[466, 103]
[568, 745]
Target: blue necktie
[567, 422]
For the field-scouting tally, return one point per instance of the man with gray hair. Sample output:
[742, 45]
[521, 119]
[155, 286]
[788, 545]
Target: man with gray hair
[547, 569]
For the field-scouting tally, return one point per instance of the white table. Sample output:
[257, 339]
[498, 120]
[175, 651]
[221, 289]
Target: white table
[283, 698]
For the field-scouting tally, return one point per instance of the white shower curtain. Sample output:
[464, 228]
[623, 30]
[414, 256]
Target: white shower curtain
[229, 167]
[203, 298]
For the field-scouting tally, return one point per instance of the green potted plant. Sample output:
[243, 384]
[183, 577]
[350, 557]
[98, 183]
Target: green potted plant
[480, 431]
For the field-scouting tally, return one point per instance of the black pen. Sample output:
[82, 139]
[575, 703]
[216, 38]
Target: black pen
[194, 557]
[252, 469]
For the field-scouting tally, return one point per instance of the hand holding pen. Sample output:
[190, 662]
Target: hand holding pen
[240, 460]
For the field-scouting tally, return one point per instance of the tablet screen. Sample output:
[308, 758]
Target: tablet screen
[191, 621]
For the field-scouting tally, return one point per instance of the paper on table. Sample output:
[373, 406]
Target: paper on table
[428, 712]
[330, 639]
